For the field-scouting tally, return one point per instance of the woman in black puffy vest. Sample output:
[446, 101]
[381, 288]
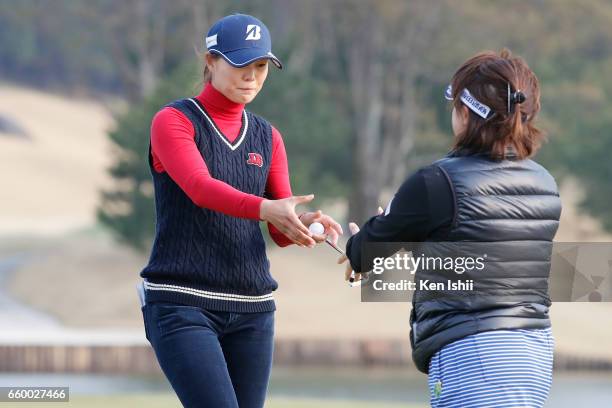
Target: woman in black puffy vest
[490, 346]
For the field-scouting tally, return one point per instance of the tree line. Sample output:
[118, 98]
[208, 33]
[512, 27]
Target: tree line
[360, 102]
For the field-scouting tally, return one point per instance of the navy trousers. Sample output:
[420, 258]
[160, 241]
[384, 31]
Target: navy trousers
[212, 359]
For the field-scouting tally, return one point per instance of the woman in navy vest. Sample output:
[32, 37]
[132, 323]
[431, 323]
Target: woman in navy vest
[218, 170]
[491, 346]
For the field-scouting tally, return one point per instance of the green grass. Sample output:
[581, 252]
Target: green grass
[170, 401]
[316, 403]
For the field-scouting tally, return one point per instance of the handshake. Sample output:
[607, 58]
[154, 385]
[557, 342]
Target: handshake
[309, 228]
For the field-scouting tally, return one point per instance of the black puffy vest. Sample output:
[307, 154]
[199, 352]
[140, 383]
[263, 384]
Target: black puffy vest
[512, 207]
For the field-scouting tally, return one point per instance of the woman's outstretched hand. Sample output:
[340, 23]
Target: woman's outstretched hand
[348, 269]
[281, 214]
[332, 229]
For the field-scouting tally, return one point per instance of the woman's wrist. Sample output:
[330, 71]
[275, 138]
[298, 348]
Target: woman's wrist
[252, 207]
[263, 209]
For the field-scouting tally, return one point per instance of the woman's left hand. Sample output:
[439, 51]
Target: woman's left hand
[332, 229]
[354, 228]
[349, 270]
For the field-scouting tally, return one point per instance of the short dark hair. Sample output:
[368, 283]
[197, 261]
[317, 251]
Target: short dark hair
[489, 76]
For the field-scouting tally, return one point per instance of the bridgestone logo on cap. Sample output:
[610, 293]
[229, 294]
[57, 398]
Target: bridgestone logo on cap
[253, 32]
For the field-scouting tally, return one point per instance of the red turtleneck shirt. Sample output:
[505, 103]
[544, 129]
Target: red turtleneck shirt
[174, 150]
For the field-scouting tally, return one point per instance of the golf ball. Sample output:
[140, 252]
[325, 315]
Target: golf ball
[316, 228]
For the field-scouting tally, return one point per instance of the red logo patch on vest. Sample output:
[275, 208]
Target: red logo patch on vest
[255, 159]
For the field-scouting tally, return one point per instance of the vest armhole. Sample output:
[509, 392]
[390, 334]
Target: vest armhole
[186, 108]
[453, 192]
[271, 150]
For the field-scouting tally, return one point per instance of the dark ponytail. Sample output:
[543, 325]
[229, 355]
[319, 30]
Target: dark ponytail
[206, 74]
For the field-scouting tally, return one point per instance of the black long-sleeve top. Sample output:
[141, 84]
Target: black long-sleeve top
[423, 205]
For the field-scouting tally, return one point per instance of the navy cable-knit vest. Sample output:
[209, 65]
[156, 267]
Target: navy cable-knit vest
[510, 208]
[202, 257]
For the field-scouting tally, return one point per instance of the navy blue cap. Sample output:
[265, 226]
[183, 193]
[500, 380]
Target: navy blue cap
[241, 39]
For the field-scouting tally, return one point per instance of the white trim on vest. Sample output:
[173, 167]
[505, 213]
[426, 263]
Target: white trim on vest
[208, 294]
[212, 124]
